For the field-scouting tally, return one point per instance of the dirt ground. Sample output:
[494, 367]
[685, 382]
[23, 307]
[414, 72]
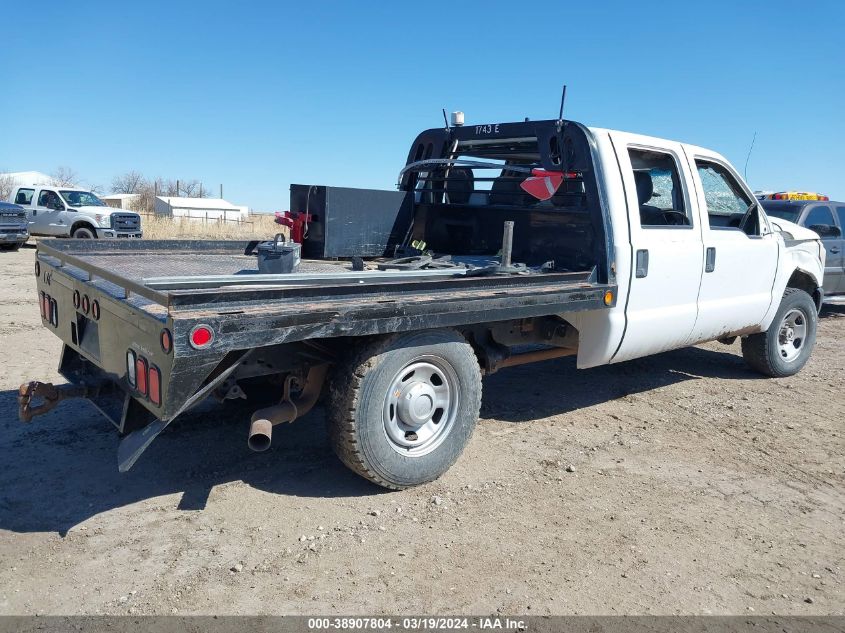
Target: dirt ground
[696, 487]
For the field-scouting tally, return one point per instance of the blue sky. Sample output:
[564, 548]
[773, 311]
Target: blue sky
[259, 95]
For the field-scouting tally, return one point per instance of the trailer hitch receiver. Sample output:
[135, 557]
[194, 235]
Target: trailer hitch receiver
[50, 396]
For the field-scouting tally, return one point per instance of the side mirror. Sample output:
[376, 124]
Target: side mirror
[826, 230]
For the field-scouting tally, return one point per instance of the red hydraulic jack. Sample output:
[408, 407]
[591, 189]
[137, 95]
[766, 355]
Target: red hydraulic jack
[296, 221]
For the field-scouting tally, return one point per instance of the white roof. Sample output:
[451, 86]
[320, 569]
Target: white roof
[198, 203]
[29, 178]
[120, 196]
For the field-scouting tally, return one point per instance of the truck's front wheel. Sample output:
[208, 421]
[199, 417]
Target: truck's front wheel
[84, 232]
[403, 408]
[786, 346]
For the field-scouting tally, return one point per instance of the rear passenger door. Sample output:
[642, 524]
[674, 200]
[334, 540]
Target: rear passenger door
[25, 198]
[740, 264]
[660, 308]
[821, 217]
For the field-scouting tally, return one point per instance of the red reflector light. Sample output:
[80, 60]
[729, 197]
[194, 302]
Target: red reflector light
[201, 336]
[155, 385]
[141, 375]
[86, 304]
[166, 340]
[95, 310]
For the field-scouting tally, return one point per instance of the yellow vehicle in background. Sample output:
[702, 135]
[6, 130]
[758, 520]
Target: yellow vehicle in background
[794, 195]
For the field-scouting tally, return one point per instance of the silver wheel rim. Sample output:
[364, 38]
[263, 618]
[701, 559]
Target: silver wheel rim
[792, 334]
[421, 406]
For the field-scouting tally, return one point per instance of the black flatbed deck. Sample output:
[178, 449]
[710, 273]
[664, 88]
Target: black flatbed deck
[129, 269]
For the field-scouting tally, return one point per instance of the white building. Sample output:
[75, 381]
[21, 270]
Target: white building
[21, 178]
[200, 208]
[121, 200]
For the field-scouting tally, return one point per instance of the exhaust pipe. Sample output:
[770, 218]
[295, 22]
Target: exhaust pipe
[260, 435]
[261, 428]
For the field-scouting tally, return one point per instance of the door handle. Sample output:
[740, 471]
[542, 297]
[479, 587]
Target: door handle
[642, 263]
[834, 249]
[710, 259]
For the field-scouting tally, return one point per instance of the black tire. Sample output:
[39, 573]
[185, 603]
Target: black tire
[10, 247]
[765, 352]
[84, 232]
[362, 392]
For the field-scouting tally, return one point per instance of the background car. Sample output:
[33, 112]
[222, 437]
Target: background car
[825, 217]
[14, 230]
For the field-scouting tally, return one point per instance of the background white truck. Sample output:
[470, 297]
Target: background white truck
[506, 244]
[73, 212]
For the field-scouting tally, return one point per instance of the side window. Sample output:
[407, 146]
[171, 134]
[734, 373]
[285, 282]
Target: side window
[46, 198]
[726, 200]
[819, 215]
[659, 191]
[24, 196]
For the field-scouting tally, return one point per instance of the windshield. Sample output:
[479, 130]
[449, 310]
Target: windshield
[788, 213]
[82, 199]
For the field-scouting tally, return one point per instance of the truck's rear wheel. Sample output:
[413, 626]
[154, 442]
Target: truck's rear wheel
[786, 346]
[403, 408]
[84, 233]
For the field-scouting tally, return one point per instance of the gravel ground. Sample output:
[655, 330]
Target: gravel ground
[681, 483]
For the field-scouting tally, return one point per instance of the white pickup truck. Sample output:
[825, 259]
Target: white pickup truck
[507, 243]
[73, 212]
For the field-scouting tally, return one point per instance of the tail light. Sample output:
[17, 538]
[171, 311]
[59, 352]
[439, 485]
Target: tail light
[54, 312]
[141, 384]
[86, 304]
[131, 377]
[76, 299]
[201, 336]
[95, 310]
[42, 303]
[155, 385]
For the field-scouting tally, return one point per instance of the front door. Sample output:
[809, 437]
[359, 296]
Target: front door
[740, 263]
[666, 246]
[47, 213]
[821, 217]
[838, 250]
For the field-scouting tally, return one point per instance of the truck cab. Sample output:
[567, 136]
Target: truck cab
[73, 212]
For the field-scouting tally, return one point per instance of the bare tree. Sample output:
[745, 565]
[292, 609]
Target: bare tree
[7, 183]
[130, 182]
[64, 177]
